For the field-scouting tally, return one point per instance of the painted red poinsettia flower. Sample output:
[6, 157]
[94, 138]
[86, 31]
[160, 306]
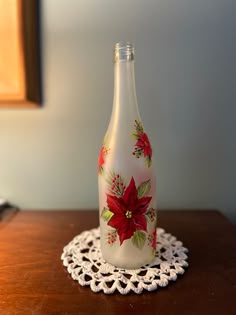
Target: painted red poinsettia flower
[101, 159]
[128, 212]
[144, 143]
[154, 239]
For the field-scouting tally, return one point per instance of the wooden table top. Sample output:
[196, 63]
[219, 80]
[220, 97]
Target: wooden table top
[34, 281]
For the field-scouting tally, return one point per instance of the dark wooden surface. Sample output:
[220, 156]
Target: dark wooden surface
[33, 280]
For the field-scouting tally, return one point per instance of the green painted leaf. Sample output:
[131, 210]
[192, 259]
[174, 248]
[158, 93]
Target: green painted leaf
[144, 188]
[139, 239]
[139, 126]
[101, 170]
[106, 214]
[149, 161]
[105, 138]
[135, 136]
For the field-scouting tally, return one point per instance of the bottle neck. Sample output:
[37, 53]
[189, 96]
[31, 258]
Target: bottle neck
[125, 106]
[124, 82]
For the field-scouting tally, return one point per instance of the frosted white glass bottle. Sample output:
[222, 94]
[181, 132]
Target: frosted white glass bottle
[126, 175]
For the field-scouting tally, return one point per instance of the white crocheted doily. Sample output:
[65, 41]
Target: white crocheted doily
[83, 260]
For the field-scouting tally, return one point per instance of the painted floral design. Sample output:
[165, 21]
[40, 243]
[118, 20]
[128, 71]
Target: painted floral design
[151, 214]
[101, 158]
[142, 146]
[116, 184]
[154, 239]
[111, 237]
[126, 209]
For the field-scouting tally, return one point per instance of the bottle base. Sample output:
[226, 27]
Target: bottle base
[124, 264]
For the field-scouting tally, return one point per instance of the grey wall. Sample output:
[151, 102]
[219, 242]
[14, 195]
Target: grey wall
[185, 77]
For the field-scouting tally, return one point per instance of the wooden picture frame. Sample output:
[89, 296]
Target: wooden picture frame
[19, 54]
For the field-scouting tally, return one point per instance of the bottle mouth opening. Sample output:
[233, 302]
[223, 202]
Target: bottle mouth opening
[123, 51]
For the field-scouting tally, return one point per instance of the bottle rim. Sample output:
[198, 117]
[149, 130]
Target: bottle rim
[123, 51]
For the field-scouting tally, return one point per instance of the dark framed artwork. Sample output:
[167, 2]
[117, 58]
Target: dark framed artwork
[20, 84]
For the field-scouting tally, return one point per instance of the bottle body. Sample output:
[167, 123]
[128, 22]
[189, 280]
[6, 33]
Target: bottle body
[126, 180]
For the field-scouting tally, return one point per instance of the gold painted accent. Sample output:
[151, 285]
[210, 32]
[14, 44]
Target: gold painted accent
[128, 214]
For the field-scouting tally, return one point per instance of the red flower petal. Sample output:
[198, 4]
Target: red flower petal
[140, 222]
[131, 195]
[144, 144]
[142, 204]
[101, 157]
[147, 151]
[115, 204]
[140, 143]
[127, 230]
[117, 221]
